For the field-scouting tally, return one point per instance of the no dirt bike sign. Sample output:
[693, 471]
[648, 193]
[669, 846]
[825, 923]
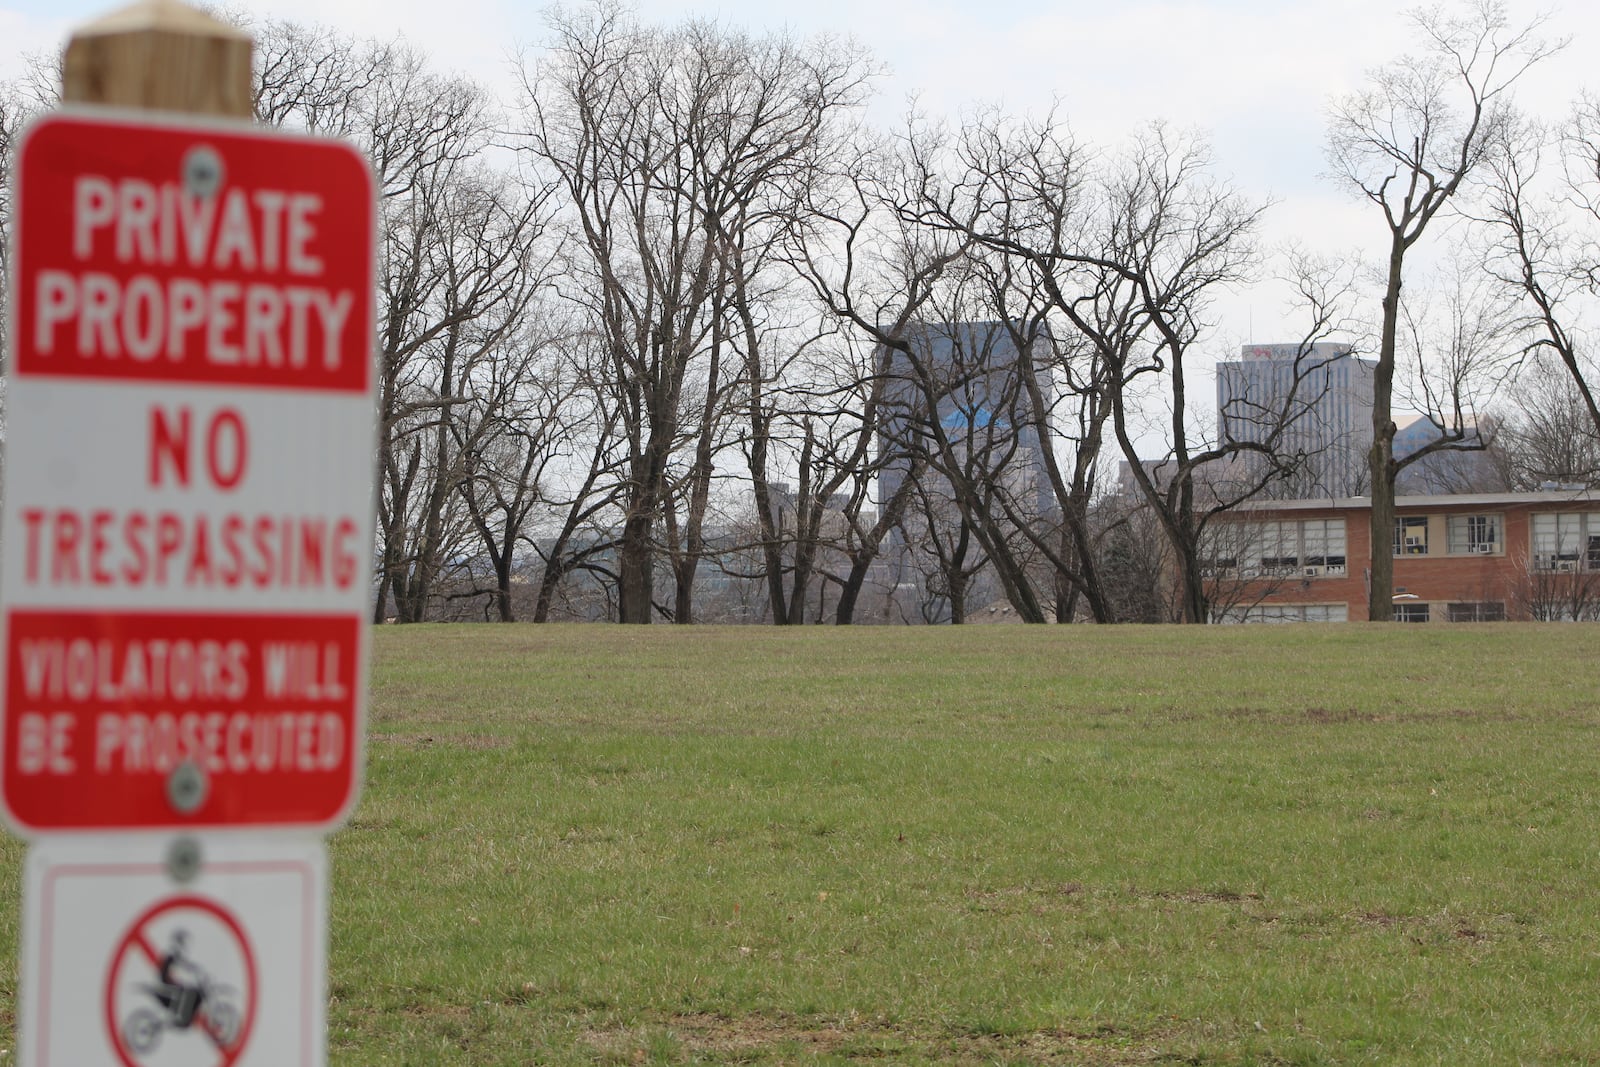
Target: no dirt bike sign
[123, 969]
[182, 985]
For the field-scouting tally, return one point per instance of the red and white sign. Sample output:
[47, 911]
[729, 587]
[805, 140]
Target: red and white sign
[122, 967]
[185, 544]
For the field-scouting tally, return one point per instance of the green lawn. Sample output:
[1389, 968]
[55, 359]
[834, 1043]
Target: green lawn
[1283, 845]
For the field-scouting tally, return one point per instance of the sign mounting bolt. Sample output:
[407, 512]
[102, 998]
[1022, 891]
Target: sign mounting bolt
[183, 860]
[202, 171]
[187, 788]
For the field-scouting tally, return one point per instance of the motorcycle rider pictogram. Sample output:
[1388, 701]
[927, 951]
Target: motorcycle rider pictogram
[181, 987]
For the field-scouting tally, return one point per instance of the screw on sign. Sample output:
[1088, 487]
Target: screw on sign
[181, 987]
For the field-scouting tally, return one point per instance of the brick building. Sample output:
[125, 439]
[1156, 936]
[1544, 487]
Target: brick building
[1457, 558]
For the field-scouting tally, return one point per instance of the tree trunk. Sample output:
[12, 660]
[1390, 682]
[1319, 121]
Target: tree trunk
[683, 598]
[635, 569]
[850, 592]
[554, 571]
[380, 608]
[502, 577]
[771, 546]
[804, 554]
[1380, 460]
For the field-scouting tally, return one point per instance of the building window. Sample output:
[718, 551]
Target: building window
[1411, 613]
[1280, 548]
[1411, 536]
[1284, 613]
[1323, 541]
[1476, 612]
[1309, 548]
[1474, 534]
[1566, 541]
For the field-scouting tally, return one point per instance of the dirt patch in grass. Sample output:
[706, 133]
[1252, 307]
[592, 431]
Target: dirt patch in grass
[419, 1010]
[759, 1038]
[476, 742]
[1379, 919]
[1454, 928]
[1320, 716]
[1209, 896]
[1059, 889]
[1338, 715]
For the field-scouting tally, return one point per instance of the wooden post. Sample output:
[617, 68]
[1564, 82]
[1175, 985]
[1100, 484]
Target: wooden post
[161, 55]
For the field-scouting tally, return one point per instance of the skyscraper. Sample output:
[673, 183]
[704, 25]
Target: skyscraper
[970, 370]
[1317, 398]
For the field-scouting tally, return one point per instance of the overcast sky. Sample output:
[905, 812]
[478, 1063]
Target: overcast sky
[1255, 74]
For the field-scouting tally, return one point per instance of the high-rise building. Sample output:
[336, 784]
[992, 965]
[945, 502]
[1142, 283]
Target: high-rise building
[1317, 398]
[970, 370]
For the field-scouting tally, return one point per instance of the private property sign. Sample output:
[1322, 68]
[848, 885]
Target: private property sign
[186, 531]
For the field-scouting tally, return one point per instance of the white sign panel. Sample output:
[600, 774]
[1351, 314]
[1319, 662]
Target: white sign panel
[124, 966]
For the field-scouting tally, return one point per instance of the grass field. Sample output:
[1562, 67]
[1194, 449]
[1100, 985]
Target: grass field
[1264, 845]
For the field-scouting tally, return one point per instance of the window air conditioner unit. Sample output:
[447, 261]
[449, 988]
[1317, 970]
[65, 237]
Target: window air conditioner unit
[1482, 550]
[1312, 572]
[1413, 542]
[1251, 572]
[1566, 564]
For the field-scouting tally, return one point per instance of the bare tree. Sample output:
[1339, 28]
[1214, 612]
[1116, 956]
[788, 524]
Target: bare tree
[465, 271]
[874, 271]
[1407, 143]
[1548, 434]
[1129, 252]
[796, 105]
[1458, 341]
[577, 542]
[946, 388]
[1545, 222]
[1132, 561]
[939, 538]
[1550, 595]
[513, 438]
[600, 113]
[963, 416]
[456, 271]
[13, 113]
[807, 420]
[315, 79]
[677, 151]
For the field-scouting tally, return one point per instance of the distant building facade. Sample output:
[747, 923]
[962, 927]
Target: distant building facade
[1479, 557]
[1321, 394]
[972, 372]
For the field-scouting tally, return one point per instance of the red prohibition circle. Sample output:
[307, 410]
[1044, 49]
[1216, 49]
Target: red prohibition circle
[134, 941]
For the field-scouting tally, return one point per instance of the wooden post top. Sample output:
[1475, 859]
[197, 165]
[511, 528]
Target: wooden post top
[163, 55]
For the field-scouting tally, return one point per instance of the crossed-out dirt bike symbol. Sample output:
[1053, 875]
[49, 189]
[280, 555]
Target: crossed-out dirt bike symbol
[181, 987]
